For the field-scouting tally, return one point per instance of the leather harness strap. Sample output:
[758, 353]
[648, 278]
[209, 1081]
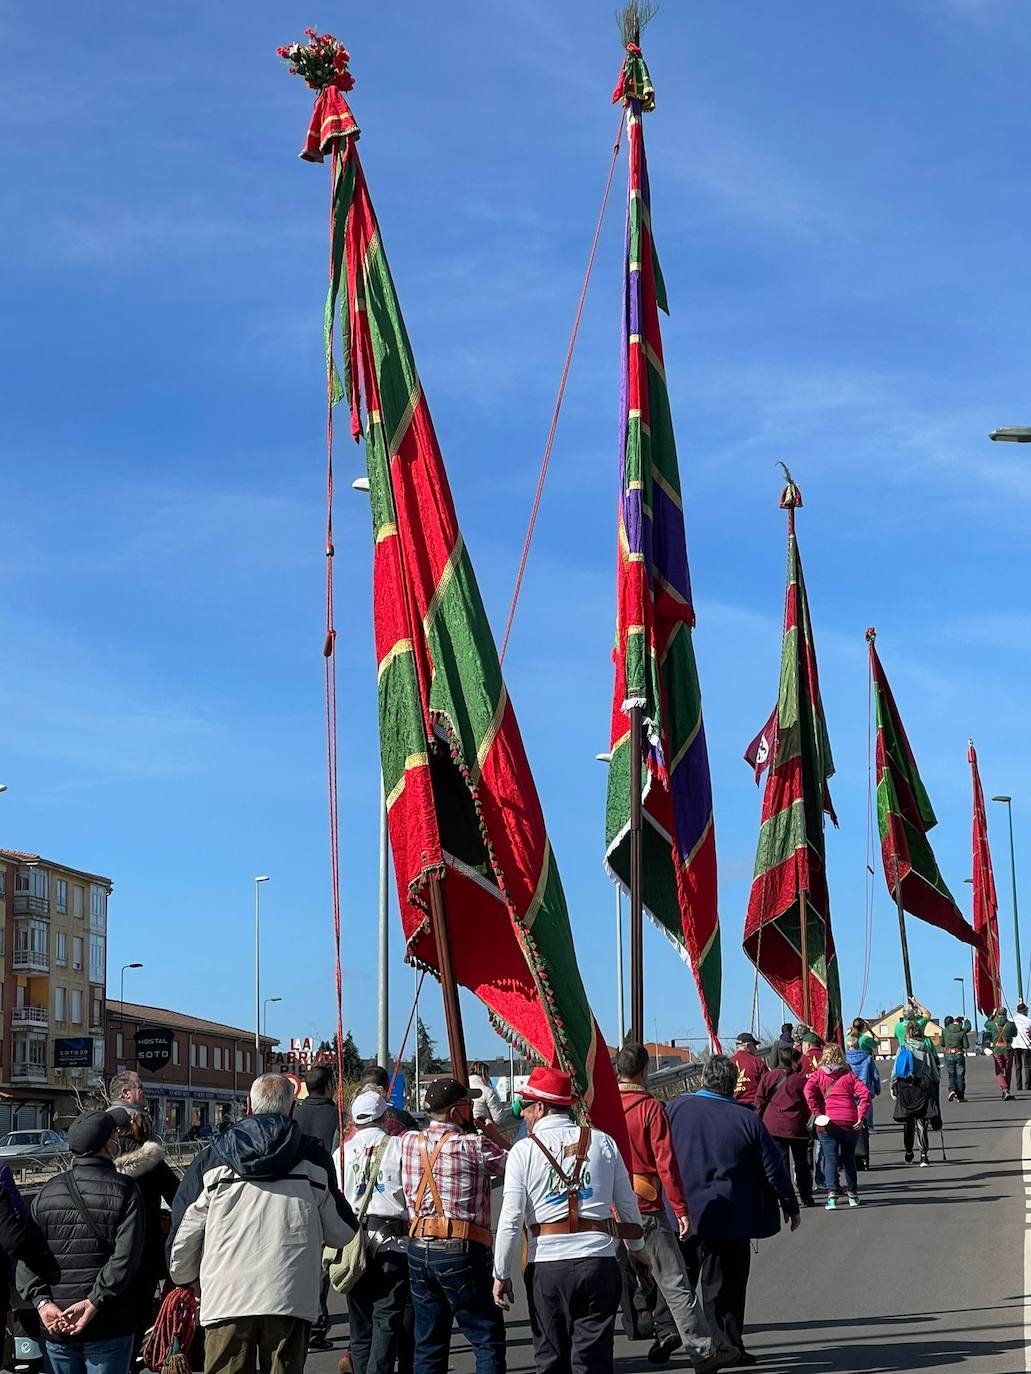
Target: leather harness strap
[572, 1222]
[439, 1226]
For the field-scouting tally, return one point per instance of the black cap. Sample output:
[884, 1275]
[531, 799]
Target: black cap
[91, 1132]
[747, 1038]
[447, 1092]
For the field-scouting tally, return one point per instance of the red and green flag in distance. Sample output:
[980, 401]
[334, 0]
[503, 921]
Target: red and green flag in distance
[904, 816]
[987, 981]
[461, 800]
[790, 862]
[653, 654]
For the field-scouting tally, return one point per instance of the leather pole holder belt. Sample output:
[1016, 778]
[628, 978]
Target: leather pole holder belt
[568, 1226]
[444, 1228]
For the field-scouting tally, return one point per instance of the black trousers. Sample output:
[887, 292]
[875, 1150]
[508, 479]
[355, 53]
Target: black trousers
[798, 1150]
[1022, 1068]
[718, 1268]
[375, 1309]
[573, 1305]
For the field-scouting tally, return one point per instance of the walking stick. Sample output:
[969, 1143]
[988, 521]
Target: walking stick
[945, 1158]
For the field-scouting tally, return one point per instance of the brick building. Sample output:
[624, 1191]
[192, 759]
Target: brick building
[53, 972]
[207, 1078]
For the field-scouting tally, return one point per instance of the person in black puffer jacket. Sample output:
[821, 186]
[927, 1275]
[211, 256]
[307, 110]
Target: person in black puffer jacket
[20, 1239]
[143, 1159]
[92, 1219]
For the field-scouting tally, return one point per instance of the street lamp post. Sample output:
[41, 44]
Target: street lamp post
[1012, 434]
[1013, 878]
[263, 878]
[620, 1021]
[361, 484]
[264, 1015]
[121, 995]
[963, 992]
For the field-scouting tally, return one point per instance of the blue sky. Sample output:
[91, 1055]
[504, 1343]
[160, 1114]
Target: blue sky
[841, 213]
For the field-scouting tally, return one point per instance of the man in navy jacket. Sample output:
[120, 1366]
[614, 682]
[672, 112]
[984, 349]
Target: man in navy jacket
[736, 1187]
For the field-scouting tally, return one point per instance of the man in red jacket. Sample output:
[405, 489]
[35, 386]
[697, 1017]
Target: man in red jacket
[751, 1070]
[654, 1171]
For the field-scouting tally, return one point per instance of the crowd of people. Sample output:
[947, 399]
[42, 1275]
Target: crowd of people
[659, 1225]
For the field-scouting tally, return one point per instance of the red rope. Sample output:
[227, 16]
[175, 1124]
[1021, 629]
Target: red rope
[174, 1330]
[561, 393]
[330, 663]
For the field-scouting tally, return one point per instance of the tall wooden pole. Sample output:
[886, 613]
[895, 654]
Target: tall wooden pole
[803, 932]
[636, 897]
[902, 926]
[452, 1010]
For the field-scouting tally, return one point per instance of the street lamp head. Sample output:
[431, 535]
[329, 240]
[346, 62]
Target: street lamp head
[1012, 434]
[262, 879]
[3, 787]
[360, 484]
[1002, 799]
[603, 758]
[134, 966]
[273, 999]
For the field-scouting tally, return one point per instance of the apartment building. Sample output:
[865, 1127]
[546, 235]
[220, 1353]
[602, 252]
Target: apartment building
[210, 1066]
[53, 972]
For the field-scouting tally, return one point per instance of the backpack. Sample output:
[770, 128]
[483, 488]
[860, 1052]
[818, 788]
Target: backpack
[348, 1264]
[904, 1062]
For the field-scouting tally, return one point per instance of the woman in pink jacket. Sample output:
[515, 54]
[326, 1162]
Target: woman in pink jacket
[835, 1092]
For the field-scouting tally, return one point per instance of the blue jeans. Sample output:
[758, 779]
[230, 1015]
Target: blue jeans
[839, 1152]
[956, 1065]
[449, 1286]
[88, 1357]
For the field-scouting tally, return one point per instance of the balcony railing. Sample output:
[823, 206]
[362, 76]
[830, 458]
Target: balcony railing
[32, 1073]
[26, 905]
[36, 1017]
[30, 961]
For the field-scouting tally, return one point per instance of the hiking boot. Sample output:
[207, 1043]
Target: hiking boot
[831, 1203]
[663, 1348]
[909, 1156]
[924, 1161]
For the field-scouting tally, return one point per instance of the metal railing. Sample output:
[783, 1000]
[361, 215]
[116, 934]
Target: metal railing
[30, 1016]
[30, 960]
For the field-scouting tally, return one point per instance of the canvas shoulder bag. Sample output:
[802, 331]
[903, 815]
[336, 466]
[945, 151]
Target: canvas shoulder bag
[349, 1263]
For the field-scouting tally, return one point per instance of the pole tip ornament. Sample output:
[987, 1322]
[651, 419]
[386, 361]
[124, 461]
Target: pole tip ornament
[323, 63]
[791, 496]
[635, 82]
[871, 635]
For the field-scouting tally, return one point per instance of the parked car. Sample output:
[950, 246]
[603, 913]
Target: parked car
[40, 1144]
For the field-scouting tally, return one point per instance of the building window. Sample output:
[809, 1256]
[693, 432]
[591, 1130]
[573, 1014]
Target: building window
[77, 951]
[119, 1045]
[39, 882]
[175, 1051]
[247, 1062]
[97, 958]
[3, 882]
[76, 1006]
[98, 1053]
[62, 894]
[216, 1058]
[3, 933]
[61, 947]
[202, 1056]
[193, 1054]
[60, 1004]
[97, 1016]
[239, 1061]
[21, 880]
[30, 937]
[78, 900]
[97, 907]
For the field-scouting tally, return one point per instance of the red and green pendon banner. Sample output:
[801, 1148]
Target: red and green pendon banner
[460, 797]
[904, 816]
[654, 656]
[987, 981]
[790, 866]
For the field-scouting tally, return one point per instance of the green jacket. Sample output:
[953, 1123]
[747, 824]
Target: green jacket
[956, 1036]
[868, 1042]
[1002, 1034]
[900, 1029]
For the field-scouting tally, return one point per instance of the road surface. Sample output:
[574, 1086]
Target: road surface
[927, 1274]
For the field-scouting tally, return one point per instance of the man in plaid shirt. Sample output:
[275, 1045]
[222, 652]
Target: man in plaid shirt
[446, 1172]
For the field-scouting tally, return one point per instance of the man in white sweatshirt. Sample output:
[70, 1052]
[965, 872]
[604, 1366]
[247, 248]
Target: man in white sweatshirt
[371, 1159]
[562, 1182]
[1022, 1048]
